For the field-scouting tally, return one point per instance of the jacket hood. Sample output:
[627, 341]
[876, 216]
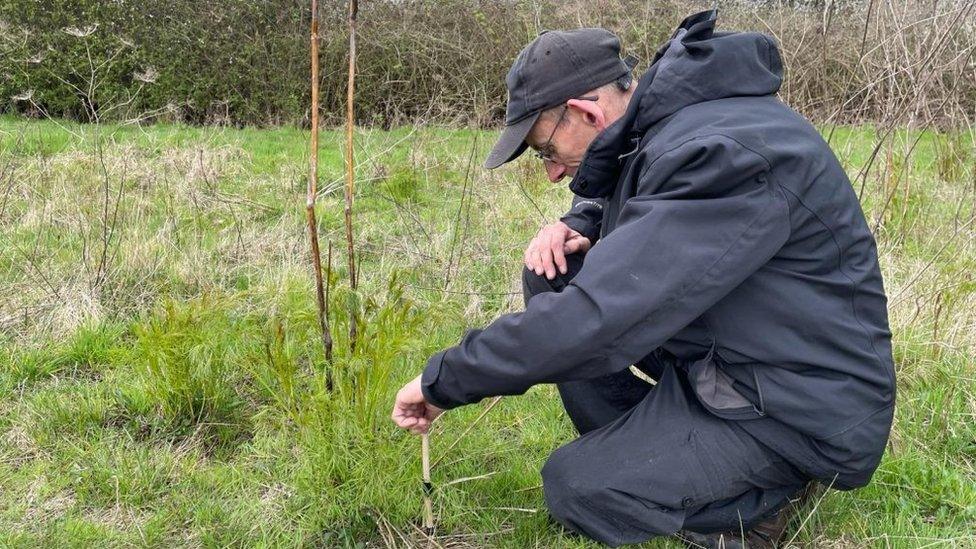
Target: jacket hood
[696, 65]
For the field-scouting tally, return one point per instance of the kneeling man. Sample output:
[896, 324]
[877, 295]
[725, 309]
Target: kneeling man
[726, 256]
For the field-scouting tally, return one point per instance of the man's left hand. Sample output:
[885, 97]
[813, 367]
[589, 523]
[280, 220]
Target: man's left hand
[411, 411]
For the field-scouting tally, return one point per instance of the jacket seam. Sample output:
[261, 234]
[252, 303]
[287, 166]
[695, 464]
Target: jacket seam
[855, 288]
[695, 138]
[769, 56]
[860, 422]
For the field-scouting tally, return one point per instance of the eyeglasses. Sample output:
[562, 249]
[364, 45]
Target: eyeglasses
[547, 155]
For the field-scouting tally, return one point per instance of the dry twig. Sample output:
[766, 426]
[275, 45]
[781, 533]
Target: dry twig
[487, 409]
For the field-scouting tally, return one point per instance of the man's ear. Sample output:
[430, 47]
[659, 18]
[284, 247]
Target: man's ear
[591, 111]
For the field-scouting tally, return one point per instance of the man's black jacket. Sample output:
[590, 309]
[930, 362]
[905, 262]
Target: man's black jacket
[732, 244]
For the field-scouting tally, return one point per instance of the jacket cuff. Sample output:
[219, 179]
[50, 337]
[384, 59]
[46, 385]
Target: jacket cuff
[582, 226]
[428, 384]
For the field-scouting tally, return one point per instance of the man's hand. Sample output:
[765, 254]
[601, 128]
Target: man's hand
[547, 251]
[411, 411]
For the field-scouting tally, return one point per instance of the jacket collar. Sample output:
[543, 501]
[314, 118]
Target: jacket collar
[597, 174]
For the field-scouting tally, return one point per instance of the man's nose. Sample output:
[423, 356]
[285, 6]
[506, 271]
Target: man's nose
[555, 171]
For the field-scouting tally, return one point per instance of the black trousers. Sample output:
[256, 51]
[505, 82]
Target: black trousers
[650, 460]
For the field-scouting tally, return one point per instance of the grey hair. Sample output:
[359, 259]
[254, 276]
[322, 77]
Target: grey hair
[619, 85]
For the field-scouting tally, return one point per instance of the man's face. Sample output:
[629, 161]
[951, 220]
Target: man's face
[581, 121]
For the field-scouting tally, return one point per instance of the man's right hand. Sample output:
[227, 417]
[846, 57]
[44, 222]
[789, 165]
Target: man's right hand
[547, 251]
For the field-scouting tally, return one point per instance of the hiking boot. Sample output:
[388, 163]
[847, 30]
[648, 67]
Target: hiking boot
[765, 535]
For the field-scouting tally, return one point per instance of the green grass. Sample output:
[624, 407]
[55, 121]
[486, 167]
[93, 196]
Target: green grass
[170, 389]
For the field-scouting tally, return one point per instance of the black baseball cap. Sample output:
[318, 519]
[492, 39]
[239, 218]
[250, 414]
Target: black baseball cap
[554, 68]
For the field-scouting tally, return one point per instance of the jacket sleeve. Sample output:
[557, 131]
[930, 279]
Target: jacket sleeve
[585, 216]
[707, 214]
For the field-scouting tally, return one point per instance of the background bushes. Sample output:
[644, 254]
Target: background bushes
[245, 62]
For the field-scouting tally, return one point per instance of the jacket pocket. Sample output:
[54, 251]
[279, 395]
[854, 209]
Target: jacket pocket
[717, 392]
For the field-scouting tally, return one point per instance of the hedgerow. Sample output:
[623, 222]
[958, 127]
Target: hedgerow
[243, 62]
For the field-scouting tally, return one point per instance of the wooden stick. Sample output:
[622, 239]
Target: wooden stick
[312, 190]
[350, 164]
[428, 487]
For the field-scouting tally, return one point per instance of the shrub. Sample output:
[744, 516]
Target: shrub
[246, 62]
